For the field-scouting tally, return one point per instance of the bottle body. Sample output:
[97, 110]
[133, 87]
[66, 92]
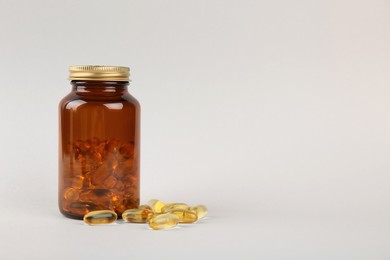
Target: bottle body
[99, 149]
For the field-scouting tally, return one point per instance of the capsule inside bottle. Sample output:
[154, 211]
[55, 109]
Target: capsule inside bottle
[100, 217]
[163, 221]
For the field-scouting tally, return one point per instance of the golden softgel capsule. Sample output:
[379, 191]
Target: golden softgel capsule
[144, 207]
[100, 217]
[137, 215]
[200, 210]
[172, 206]
[163, 221]
[185, 216]
[156, 205]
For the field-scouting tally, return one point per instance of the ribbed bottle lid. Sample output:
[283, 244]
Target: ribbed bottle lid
[104, 73]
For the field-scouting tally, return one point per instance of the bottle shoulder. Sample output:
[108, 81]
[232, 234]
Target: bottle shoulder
[75, 102]
[131, 99]
[67, 99]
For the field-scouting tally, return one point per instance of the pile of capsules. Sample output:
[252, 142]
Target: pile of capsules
[100, 174]
[156, 213]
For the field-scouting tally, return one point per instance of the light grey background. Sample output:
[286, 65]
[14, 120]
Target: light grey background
[275, 114]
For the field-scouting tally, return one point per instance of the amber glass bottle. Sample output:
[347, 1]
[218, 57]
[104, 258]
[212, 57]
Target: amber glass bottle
[99, 142]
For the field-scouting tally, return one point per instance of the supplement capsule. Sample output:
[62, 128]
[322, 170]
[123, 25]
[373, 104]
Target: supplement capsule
[163, 221]
[172, 206]
[156, 205]
[71, 194]
[100, 217]
[185, 216]
[144, 207]
[200, 210]
[137, 215]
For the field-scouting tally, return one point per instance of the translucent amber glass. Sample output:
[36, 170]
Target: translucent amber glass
[99, 149]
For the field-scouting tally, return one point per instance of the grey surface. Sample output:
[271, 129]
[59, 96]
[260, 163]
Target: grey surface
[275, 114]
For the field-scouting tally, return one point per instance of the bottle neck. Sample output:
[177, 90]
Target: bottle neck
[100, 88]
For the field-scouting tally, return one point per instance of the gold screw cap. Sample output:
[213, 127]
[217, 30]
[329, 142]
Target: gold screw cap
[100, 73]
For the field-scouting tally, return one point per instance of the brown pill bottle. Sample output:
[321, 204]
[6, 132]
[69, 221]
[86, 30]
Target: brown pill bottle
[99, 143]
